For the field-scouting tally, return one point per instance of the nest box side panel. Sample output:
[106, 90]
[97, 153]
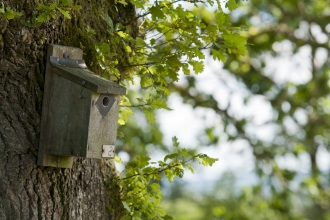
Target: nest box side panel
[102, 130]
[68, 118]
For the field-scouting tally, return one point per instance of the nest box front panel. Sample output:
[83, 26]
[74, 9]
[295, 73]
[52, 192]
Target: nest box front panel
[68, 118]
[103, 124]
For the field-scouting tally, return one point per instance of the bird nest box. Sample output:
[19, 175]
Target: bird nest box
[80, 110]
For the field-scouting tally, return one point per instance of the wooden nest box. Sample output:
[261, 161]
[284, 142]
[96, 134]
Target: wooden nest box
[80, 110]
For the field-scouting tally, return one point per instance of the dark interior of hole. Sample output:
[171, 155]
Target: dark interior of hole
[106, 101]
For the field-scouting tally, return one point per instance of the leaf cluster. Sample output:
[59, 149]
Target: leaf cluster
[140, 183]
[171, 39]
[297, 91]
[7, 13]
[51, 12]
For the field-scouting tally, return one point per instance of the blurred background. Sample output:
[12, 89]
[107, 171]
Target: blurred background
[264, 115]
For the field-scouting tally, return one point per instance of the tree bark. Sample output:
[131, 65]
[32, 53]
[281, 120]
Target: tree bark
[28, 191]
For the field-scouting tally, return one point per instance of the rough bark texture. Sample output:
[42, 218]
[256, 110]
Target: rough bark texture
[28, 191]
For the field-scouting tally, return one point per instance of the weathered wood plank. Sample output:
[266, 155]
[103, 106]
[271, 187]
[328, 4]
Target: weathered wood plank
[45, 159]
[68, 118]
[102, 130]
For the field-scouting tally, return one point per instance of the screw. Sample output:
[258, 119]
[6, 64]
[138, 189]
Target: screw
[80, 96]
[83, 83]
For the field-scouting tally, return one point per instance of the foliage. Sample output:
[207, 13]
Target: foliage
[49, 12]
[7, 13]
[171, 39]
[141, 181]
[286, 66]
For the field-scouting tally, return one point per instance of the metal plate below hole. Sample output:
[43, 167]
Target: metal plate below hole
[108, 151]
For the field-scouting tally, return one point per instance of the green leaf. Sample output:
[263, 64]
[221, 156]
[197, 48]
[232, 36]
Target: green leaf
[125, 113]
[158, 103]
[9, 15]
[109, 22]
[184, 153]
[128, 49]
[2, 9]
[160, 211]
[102, 48]
[117, 159]
[190, 168]
[148, 170]
[180, 166]
[219, 55]
[231, 5]
[120, 134]
[126, 206]
[65, 13]
[123, 2]
[137, 3]
[169, 175]
[146, 81]
[165, 90]
[208, 161]
[121, 121]
[155, 187]
[185, 69]
[233, 40]
[153, 41]
[122, 34]
[198, 66]
[42, 7]
[142, 161]
[219, 18]
[167, 217]
[173, 75]
[65, 2]
[175, 141]
[53, 14]
[51, 7]
[170, 156]
[43, 17]
[140, 42]
[174, 62]
[150, 117]
[156, 12]
[77, 7]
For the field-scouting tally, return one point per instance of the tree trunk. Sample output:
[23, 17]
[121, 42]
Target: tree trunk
[28, 191]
